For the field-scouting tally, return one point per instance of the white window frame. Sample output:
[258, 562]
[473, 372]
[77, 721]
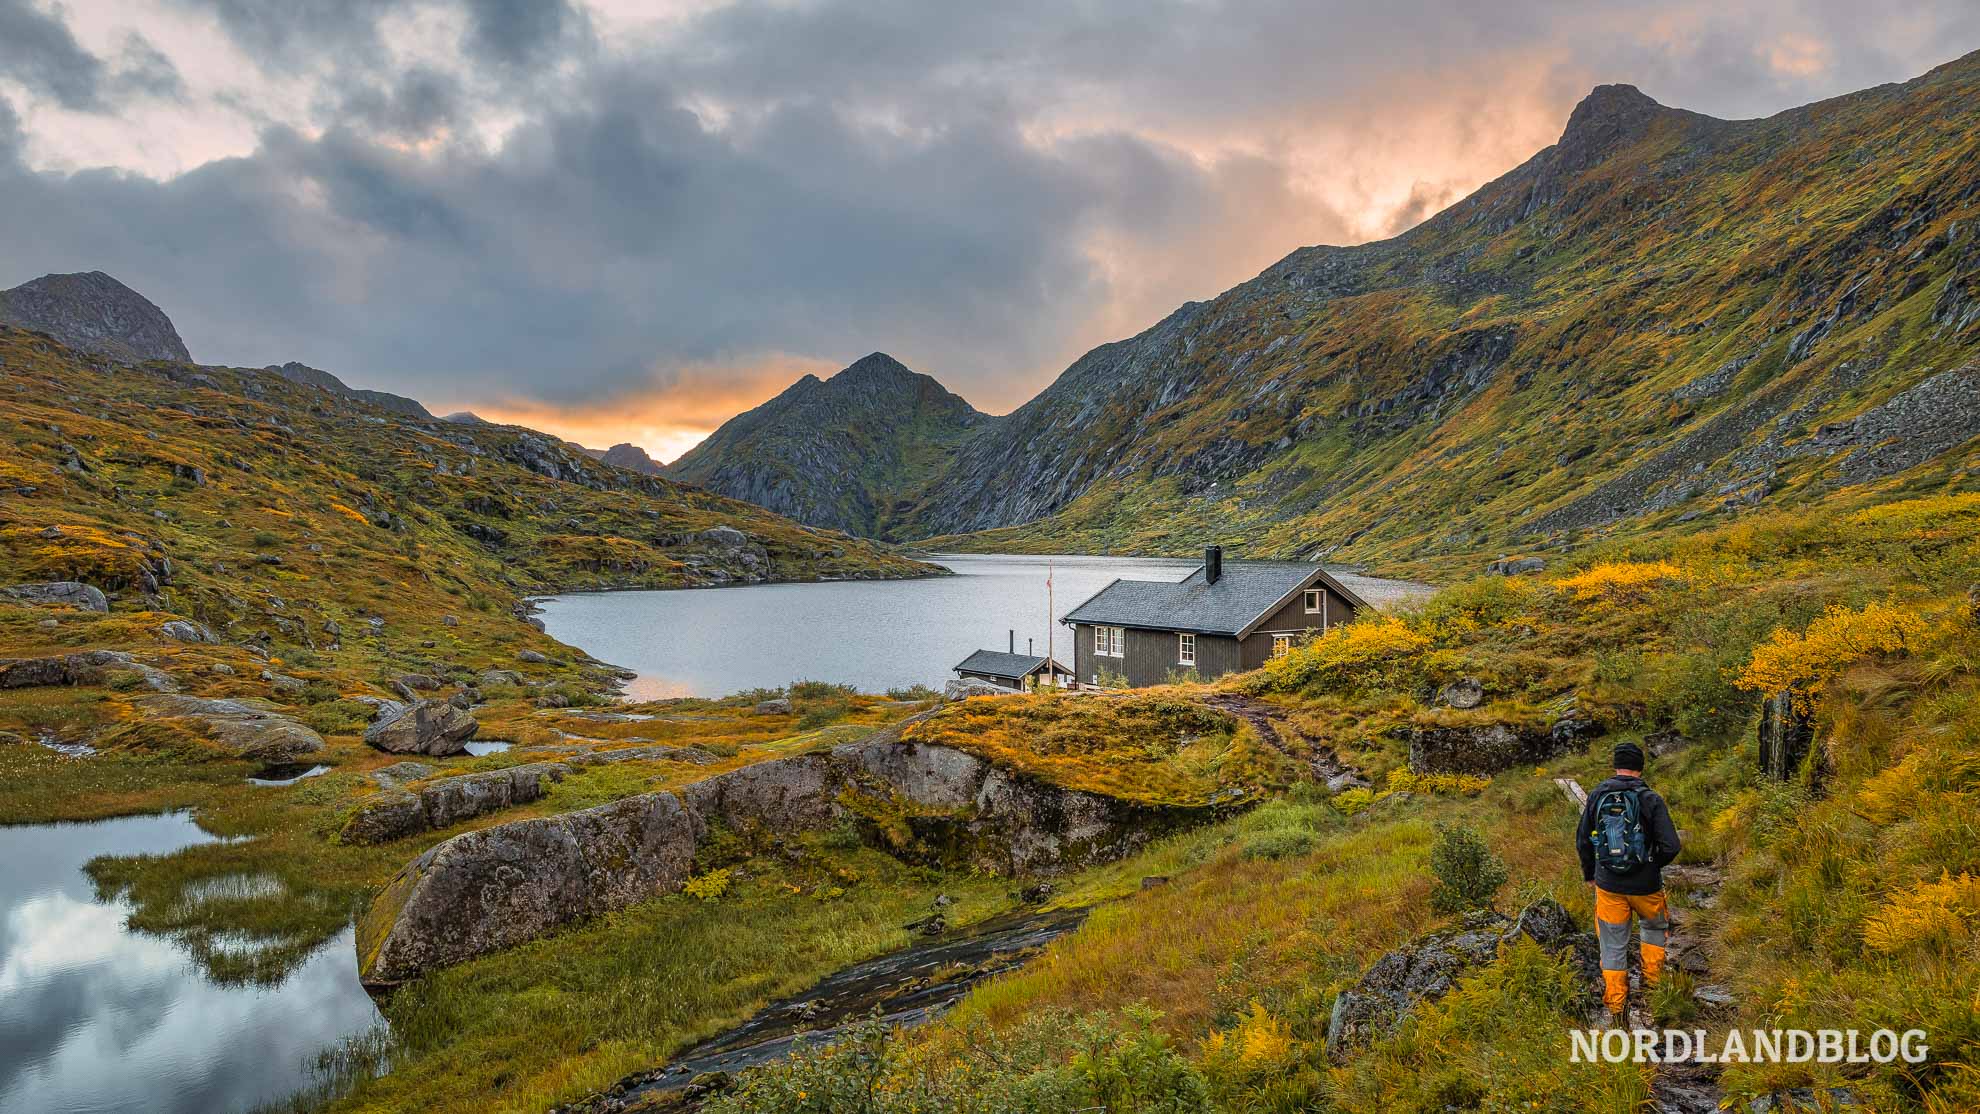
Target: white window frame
[1185, 649]
[1107, 642]
[1281, 645]
[1316, 601]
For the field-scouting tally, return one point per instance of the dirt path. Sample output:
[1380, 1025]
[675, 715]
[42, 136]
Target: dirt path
[1270, 723]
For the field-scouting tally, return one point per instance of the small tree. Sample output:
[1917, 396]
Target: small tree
[1467, 873]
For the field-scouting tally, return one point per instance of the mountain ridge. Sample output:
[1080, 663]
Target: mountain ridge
[1650, 321]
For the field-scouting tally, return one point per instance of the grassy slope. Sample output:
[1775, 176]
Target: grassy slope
[1328, 398]
[1833, 915]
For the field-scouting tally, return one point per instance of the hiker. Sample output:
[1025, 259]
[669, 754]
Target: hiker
[1626, 839]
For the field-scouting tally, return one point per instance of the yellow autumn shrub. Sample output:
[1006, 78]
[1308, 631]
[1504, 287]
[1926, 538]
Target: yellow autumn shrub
[709, 886]
[1258, 1041]
[1371, 651]
[1618, 581]
[1807, 661]
[1935, 913]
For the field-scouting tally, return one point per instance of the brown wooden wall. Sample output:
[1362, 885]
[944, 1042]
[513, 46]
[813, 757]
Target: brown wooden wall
[1150, 656]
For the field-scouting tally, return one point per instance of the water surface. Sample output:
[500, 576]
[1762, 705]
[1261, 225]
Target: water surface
[97, 1018]
[873, 634]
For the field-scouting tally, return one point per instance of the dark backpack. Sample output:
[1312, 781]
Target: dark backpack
[1617, 832]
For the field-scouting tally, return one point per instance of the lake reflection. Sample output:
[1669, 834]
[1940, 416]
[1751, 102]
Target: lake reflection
[94, 1017]
[875, 634]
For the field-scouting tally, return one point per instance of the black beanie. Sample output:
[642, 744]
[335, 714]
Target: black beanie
[1628, 756]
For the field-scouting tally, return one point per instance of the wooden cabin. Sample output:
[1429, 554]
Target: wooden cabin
[1017, 672]
[1225, 617]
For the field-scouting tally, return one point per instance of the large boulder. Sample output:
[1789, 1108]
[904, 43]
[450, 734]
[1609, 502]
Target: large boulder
[248, 728]
[962, 688]
[490, 889]
[58, 593]
[430, 727]
[185, 630]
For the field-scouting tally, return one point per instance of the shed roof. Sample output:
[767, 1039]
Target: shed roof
[996, 663]
[1244, 595]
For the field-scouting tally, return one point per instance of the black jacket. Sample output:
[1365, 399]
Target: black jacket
[1659, 833]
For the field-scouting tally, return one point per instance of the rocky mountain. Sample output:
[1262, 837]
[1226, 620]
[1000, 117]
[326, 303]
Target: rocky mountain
[95, 313]
[628, 456]
[315, 377]
[1663, 317]
[849, 452]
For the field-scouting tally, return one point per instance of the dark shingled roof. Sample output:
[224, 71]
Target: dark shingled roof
[996, 663]
[1246, 593]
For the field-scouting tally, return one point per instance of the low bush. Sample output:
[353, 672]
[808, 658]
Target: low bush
[1466, 871]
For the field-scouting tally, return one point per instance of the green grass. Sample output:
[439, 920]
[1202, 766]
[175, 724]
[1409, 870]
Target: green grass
[552, 1020]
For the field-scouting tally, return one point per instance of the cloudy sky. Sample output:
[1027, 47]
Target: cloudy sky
[627, 221]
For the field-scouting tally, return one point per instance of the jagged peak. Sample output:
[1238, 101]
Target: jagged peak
[875, 365]
[1610, 113]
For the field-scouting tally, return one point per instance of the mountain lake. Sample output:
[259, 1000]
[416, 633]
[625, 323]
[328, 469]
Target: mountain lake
[872, 634]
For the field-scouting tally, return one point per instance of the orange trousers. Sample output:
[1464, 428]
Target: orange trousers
[1612, 914]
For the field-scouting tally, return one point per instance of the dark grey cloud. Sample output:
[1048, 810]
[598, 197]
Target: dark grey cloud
[38, 50]
[969, 186]
[413, 105]
[520, 32]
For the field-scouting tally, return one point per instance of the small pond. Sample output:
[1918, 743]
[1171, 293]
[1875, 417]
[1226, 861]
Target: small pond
[95, 1017]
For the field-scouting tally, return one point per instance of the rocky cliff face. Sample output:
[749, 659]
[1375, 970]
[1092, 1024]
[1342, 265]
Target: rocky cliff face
[94, 313]
[1662, 316]
[847, 452]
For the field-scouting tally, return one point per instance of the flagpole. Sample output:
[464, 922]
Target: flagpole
[1049, 655]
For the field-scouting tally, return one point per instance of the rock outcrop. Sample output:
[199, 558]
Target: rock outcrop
[247, 728]
[394, 812]
[1787, 732]
[94, 313]
[1426, 969]
[489, 889]
[58, 593]
[431, 727]
[89, 667]
[1487, 748]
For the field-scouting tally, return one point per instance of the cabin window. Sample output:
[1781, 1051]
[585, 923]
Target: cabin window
[1314, 598]
[1186, 649]
[1281, 645]
[1107, 642]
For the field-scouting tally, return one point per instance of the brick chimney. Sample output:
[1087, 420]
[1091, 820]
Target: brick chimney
[1213, 563]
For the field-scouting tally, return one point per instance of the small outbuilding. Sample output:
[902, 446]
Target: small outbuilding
[1017, 672]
